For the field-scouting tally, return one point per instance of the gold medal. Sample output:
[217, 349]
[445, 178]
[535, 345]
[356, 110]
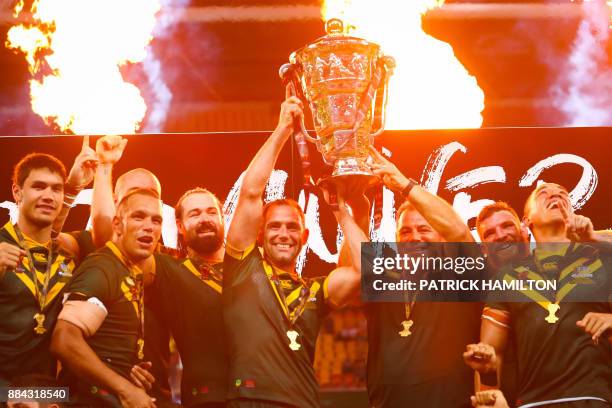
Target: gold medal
[552, 310]
[293, 335]
[40, 319]
[140, 349]
[406, 324]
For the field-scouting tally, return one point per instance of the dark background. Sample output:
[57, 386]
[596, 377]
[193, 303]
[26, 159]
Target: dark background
[215, 161]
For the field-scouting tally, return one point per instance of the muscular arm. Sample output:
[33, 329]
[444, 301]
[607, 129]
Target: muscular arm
[102, 205]
[343, 282]
[437, 212]
[109, 150]
[81, 174]
[247, 217]
[603, 236]
[487, 356]
[361, 214]
[69, 345]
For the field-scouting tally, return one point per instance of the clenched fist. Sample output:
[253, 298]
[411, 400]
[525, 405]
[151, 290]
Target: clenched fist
[481, 357]
[10, 256]
[109, 149]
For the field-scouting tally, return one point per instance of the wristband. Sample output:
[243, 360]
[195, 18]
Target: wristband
[408, 188]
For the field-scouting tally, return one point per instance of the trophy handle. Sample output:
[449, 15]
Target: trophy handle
[382, 93]
[288, 74]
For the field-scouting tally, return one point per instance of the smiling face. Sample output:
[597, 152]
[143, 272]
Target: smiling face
[40, 197]
[412, 227]
[201, 223]
[283, 235]
[503, 231]
[543, 207]
[138, 225]
[501, 226]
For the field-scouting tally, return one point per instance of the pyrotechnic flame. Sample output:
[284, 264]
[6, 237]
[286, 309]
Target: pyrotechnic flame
[429, 88]
[75, 50]
[582, 90]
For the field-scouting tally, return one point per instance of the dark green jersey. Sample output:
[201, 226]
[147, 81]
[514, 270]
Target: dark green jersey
[22, 350]
[556, 358]
[156, 349]
[105, 277]
[269, 358]
[425, 368]
[190, 299]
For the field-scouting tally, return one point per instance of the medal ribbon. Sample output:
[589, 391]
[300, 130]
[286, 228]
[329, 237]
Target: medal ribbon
[39, 294]
[301, 294]
[137, 276]
[565, 289]
[213, 283]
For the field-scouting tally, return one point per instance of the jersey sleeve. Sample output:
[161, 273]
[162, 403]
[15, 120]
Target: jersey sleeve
[319, 290]
[238, 265]
[91, 281]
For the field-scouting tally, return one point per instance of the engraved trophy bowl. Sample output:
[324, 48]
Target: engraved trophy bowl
[344, 80]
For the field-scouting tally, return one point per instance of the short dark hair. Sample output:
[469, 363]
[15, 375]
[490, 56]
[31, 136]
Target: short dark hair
[281, 202]
[139, 191]
[491, 209]
[34, 161]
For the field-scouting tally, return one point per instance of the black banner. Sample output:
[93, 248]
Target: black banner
[469, 168]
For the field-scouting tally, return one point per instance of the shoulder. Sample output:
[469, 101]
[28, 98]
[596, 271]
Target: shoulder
[6, 235]
[101, 261]
[165, 264]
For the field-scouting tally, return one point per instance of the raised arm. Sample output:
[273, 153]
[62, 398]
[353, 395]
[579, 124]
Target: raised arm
[109, 150]
[247, 216]
[436, 211]
[344, 281]
[81, 174]
[360, 206]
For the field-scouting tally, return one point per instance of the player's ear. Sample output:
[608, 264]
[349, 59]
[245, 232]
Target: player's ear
[305, 236]
[117, 225]
[17, 193]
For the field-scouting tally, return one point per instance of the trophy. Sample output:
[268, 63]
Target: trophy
[345, 81]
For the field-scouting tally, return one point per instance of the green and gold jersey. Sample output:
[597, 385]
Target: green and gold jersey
[556, 358]
[158, 336]
[189, 294]
[270, 359]
[104, 278]
[24, 349]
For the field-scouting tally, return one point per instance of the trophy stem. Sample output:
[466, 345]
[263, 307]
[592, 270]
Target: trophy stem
[350, 168]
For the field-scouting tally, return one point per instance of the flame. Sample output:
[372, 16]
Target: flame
[429, 89]
[75, 50]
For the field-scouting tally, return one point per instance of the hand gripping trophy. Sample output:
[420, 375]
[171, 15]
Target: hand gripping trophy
[345, 81]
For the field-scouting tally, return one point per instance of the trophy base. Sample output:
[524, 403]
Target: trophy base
[350, 170]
